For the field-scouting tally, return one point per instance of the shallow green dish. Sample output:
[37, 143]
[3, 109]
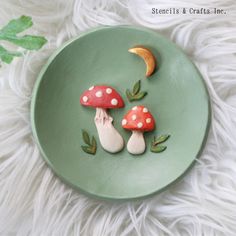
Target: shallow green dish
[177, 98]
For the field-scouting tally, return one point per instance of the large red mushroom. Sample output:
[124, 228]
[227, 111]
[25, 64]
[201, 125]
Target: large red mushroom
[138, 120]
[103, 98]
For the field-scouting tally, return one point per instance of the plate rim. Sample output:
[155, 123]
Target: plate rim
[34, 99]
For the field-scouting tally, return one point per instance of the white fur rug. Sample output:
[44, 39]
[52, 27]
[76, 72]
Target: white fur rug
[34, 202]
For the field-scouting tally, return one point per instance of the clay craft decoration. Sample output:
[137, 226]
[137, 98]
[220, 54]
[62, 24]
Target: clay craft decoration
[138, 120]
[147, 56]
[103, 98]
[136, 94]
[120, 177]
[155, 145]
[91, 147]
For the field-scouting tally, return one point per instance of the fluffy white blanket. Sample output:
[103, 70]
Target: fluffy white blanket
[34, 202]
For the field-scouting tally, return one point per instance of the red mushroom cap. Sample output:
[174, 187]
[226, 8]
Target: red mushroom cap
[138, 118]
[102, 96]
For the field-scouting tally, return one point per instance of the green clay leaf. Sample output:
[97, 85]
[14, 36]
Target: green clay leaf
[161, 139]
[136, 87]
[94, 143]
[94, 150]
[86, 137]
[139, 96]
[136, 94]
[136, 97]
[92, 147]
[17, 25]
[88, 150]
[129, 95]
[7, 56]
[158, 148]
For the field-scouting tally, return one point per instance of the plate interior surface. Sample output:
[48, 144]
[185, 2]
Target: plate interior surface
[177, 98]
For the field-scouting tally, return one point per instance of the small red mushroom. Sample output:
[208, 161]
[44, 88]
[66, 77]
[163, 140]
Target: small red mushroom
[139, 120]
[103, 98]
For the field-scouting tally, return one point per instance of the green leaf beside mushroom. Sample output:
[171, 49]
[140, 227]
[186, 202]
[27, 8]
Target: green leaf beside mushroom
[158, 148]
[155, 147]
[136, 95]
[91, 147]
[136, 87]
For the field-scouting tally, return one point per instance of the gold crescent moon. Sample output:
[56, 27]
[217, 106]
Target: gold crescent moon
[147, 56]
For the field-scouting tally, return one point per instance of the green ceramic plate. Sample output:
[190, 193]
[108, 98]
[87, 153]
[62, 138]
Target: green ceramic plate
[177, 98]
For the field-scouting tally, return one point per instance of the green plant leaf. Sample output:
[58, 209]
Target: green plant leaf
[17, 25]
[28, 42]
[136, 87]
[161, 139]
[158, 148]
[7, 56]
[88, 150]
[86, 137]
[9, 33]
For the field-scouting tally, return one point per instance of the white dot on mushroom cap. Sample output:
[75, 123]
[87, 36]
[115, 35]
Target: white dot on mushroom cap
[91, 88]
[98, 94]
[108, 90]
[114, 102]
[134, 108]
[148, 120]
[134, 117]
[124, 122]
[140, 125]
[85, 98]
[145, 110]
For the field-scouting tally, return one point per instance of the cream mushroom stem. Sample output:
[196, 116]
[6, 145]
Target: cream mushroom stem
[109, 137]
[136, 144]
